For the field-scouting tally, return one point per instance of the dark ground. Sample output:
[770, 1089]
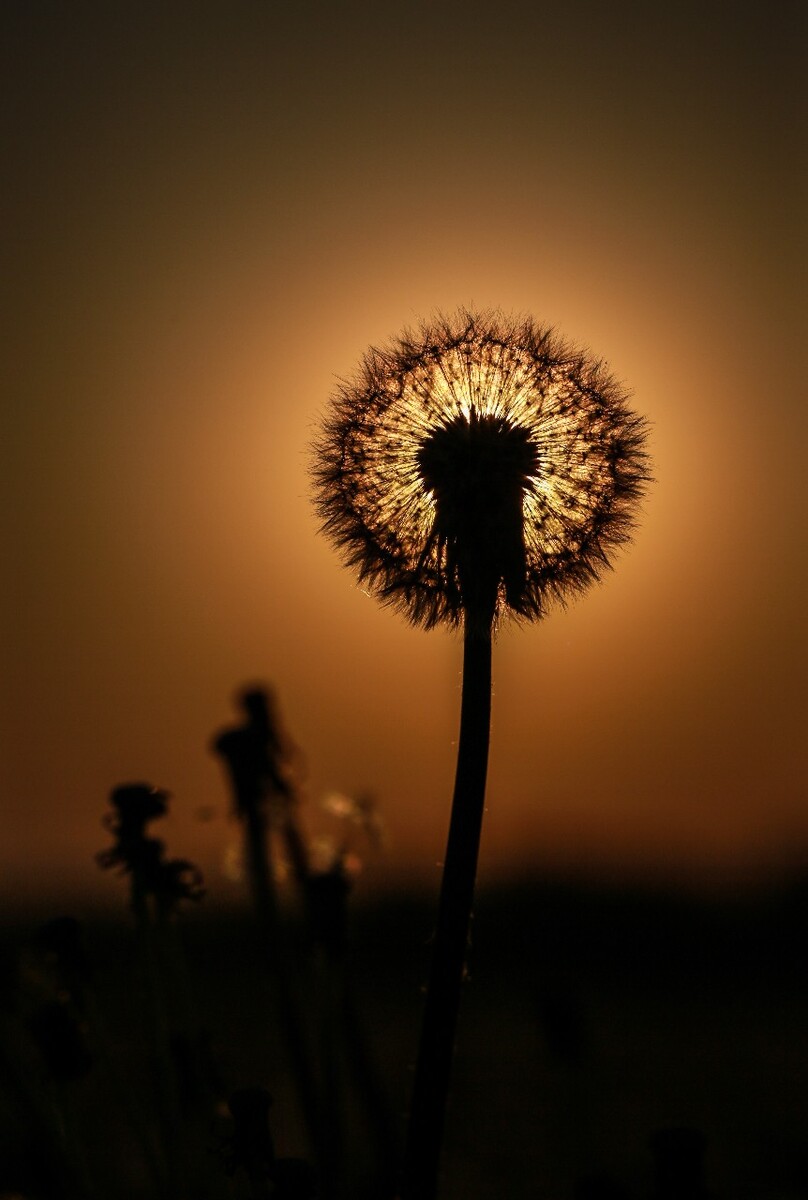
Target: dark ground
[592, 1018]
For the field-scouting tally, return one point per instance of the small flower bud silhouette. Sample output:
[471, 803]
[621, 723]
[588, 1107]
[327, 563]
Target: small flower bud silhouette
[134, 806]
[167, 881]
[476, 469]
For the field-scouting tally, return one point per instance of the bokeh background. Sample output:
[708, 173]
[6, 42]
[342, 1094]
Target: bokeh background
[210, 210]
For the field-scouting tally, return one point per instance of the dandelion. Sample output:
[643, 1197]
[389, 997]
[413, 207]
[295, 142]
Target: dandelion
[477, 469]
[479, 464]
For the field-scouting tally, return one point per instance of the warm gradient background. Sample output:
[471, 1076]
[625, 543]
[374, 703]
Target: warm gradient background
[209, 211]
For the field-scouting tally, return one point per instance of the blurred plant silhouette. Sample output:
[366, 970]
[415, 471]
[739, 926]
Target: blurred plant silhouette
[477, 468]
[249, 1148]
[155, 880]
[256, 759]
[108, 1088]
[315, 1004]
[184, 1079]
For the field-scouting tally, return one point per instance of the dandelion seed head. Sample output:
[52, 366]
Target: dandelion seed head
[480, 463]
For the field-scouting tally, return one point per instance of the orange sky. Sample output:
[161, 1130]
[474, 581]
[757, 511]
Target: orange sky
[213, 211]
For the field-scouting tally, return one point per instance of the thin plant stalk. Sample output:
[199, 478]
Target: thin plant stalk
[168, 1105]
[433, 1066]
[280, 961]
[121, 1088]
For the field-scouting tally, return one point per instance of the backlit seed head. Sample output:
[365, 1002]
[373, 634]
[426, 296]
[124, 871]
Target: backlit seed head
[479, 467]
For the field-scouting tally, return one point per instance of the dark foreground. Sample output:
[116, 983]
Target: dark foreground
[592, 1020]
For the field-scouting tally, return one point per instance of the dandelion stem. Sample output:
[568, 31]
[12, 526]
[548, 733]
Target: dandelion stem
[433, 1066]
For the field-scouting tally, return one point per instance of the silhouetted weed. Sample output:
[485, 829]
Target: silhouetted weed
[315, 1006]
[477, 468]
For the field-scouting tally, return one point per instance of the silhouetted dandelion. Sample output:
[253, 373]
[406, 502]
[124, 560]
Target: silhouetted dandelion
[478, 468]
[157, 886]
[167, 881]
[481, 462]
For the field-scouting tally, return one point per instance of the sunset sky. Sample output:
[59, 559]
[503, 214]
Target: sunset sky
[210, 211]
